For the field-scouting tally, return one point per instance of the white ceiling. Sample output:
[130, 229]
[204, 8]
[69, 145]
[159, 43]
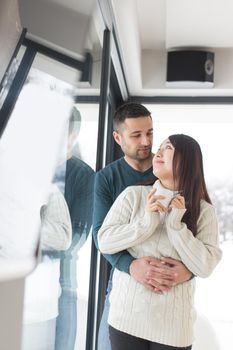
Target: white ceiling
[177, 23]
[148, 28]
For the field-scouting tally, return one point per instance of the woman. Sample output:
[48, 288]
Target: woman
[173, 219]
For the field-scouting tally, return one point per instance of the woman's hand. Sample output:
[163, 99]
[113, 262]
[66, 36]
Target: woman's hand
[177, 202]
[153, 203]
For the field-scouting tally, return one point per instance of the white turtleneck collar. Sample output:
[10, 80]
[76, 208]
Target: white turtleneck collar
[169, 194]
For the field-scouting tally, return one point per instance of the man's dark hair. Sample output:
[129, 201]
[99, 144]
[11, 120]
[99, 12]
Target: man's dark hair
[129, 110]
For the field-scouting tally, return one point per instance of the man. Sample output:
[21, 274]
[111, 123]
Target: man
[133, 131]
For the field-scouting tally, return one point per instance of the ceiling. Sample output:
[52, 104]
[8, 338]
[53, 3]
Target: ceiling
[145, 29]
[148, 28]
[178, 23]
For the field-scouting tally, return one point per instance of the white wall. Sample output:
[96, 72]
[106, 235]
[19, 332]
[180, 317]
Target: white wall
[11, 306]
[57, 24]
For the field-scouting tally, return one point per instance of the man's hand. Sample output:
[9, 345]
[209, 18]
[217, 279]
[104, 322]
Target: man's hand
[181, 272]
[154, 274]
[159, 275]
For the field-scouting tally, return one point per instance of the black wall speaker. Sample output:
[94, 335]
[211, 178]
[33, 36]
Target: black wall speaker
[190, 68]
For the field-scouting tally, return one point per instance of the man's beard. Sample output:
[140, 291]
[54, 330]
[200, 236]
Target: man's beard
[143, 153]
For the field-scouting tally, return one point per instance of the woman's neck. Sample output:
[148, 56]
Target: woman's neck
[168, 184]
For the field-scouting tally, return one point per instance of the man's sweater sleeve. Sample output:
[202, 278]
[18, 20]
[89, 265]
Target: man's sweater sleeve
[200, 253]
[102, 203]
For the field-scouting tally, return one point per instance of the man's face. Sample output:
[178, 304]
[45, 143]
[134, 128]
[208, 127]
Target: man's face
[135, 137]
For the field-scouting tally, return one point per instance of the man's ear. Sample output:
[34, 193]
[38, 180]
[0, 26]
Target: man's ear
[117, 137]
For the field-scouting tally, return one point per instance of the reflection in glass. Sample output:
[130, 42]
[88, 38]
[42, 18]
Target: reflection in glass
[10, 75]
[79, 181]
[9, 79]
[55, 230]
[49, 102]
[27, 162]
[43, 284]
[56, 298]
[85, 149]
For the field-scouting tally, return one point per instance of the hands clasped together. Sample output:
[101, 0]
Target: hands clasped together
[158, 203]
[159, 275]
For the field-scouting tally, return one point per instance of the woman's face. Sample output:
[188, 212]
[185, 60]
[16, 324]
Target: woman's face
[162, 161]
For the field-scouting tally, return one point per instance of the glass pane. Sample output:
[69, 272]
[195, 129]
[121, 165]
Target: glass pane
[56, 293]
[27, 162]
[212, 127]
[75, 261]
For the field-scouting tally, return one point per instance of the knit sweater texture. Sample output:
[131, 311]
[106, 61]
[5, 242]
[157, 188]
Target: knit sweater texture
[166, 318]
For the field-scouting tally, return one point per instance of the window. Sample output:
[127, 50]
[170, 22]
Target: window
[212, 127]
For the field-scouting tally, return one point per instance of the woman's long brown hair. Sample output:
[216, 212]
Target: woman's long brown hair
[189, 177]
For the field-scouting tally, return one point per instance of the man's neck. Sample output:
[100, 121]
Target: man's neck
[139, 165]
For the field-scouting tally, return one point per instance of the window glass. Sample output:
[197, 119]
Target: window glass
[212, 127]
[56, 293]
[27, 162]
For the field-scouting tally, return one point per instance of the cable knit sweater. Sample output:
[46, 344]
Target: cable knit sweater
[164, 318]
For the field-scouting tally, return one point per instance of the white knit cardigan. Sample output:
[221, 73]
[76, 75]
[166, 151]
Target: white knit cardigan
[164, 318]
